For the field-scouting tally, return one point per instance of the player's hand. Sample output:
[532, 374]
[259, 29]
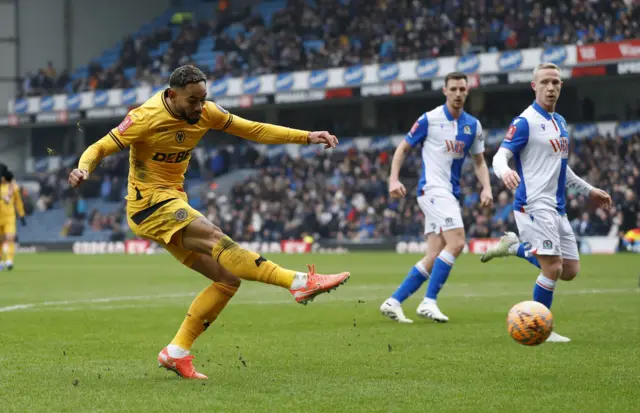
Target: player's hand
[486, 198]
[6, 199]
[78, 176]
[601, 198]
[397, 190]
[324, 137]
[23, 221]
[511, 179]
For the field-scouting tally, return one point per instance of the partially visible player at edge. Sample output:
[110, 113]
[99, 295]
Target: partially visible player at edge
[10, 204]
[162, 133]
[538, 141]
[446, 135]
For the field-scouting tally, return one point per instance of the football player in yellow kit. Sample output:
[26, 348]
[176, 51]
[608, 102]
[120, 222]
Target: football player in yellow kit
[10, 204]
[161, 135]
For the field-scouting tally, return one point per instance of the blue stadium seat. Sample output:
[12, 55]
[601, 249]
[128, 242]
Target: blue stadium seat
[203, 55]
[233, 30]
[175, 31]
[206, 45]
[268, 8]
[313, 44]
[130, 72]
[161, 50]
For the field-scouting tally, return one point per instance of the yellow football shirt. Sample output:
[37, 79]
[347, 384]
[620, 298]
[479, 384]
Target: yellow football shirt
[161, 142]
[9, 209]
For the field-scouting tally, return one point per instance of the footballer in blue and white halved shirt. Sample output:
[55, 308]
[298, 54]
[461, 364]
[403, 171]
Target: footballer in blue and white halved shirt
[445, 135]
[538, 142]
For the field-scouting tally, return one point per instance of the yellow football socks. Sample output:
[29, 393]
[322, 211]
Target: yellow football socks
[11, 252]
[203, 311]
[249, 265]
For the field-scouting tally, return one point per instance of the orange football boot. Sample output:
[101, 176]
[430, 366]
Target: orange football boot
[318, 284]
[183, 366]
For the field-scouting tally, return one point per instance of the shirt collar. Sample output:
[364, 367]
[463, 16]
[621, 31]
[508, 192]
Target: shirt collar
[448, 114]
[541, 110]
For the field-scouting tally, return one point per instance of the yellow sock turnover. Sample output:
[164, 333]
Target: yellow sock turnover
[203, 311]
[250, 266]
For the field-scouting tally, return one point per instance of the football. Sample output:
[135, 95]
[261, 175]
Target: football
[529, 323]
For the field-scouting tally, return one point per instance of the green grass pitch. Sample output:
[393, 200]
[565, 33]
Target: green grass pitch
[81, 334]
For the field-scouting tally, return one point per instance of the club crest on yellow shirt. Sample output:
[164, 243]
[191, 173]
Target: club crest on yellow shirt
[180, 135]
[181, 214]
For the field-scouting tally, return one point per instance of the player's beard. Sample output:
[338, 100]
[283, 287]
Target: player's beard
[189, 120]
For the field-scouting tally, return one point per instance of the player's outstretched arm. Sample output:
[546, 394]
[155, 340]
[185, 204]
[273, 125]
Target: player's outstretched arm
[273, 134]
[218, 118]
[91, 158]
[133, 128]
[482, 172]
[601, 197]
[396, 188]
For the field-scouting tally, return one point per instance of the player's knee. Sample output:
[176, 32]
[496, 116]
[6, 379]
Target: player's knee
[212, 232]
[227, 278]
[455, 246]
[570, 271]
[233, 281]
[555, 269]
[215, 233]
[201, 236]
[551, 266]
[427, 262]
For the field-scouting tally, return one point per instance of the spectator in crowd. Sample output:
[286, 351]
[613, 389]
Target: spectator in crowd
[332, 33]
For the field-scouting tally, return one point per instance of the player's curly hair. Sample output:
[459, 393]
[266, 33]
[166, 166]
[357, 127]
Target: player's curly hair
[185, 75]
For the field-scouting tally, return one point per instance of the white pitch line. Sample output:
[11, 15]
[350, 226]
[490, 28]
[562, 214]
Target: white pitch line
[250, 299]
[95, 301]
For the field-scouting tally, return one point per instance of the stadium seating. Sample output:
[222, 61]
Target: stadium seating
[431, 22]
[45, 226]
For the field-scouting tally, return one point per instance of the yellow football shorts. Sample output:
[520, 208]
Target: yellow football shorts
[160, 217]
[8, 226]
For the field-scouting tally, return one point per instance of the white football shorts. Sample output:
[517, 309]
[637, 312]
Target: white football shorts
[441, 211]
[548, 232]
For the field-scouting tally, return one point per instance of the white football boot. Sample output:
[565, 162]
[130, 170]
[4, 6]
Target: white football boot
[430, 310]
[557, 338]
[392, 309]
[501, 249]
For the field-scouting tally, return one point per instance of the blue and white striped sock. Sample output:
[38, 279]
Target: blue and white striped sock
[543, 290]
[418, 274]
[439, 274]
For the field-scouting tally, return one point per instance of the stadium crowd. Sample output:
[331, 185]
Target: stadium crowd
[345, 197]
[347, 32]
